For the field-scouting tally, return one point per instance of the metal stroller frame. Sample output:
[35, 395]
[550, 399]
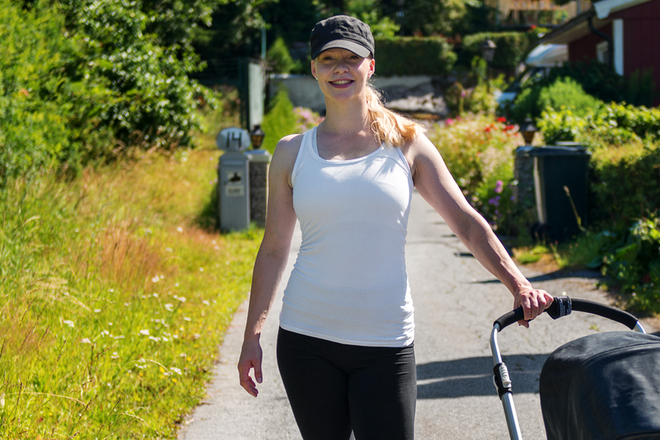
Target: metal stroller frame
[561, 306]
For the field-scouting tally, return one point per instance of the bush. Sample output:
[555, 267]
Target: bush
[629, 256]
[279, 121]
[601, 82]
[86, 79]
[413, 56]
[512, 47]
[613, 124]
[625, 181]
[563, 93]
[279, 59]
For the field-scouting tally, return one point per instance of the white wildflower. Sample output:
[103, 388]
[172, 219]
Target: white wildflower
[144, 332]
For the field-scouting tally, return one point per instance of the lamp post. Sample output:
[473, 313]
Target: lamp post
[487, 52]
[528, 130]
[257, 137]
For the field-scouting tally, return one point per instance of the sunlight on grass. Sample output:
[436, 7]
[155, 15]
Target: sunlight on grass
[113, 299]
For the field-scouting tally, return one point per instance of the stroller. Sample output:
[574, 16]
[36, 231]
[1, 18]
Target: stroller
[604, 386]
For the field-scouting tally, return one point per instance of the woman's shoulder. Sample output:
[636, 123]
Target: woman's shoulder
[417, 146]
[287, 148]
[286, 153]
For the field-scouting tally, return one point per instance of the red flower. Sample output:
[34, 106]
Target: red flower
[502, 120]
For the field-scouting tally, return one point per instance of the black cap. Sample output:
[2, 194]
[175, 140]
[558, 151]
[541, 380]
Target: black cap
[342, 32]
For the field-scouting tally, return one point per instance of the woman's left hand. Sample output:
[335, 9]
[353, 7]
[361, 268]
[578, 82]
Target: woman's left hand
[533, 301]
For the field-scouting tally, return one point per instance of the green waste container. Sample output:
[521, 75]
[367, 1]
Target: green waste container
[556, 176]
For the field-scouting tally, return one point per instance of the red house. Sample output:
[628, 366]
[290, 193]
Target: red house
[622, 33]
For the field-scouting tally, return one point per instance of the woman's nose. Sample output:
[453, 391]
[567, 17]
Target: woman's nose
[341, 66]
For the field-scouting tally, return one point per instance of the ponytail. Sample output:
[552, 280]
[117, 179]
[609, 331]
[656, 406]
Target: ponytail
[389, 127]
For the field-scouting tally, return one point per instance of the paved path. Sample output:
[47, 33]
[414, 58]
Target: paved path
[456, 302]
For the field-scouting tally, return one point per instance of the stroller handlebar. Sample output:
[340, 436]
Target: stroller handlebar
[562, 306]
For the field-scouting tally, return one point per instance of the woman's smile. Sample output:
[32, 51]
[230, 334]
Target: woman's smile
[341, 83]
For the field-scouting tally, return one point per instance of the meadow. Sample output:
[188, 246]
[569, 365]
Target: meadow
[115, 293]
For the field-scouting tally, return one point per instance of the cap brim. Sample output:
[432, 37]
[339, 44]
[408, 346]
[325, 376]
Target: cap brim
[356, 48]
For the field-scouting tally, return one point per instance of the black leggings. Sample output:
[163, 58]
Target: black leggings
[335, 388]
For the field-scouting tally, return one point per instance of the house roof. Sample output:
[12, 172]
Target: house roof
[579, 26]
[605, 7]
[573, 29]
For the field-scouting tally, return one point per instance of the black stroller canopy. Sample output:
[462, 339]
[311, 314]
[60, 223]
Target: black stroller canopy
[603, 386]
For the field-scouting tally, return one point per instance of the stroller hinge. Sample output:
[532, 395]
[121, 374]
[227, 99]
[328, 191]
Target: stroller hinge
[501, 379]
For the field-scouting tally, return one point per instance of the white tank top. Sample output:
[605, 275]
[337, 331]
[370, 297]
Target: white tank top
[349, 283]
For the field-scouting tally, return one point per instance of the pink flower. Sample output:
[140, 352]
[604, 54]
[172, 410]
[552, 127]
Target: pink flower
[499, 186]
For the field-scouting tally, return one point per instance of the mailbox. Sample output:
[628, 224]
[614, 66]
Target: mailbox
[233, 179]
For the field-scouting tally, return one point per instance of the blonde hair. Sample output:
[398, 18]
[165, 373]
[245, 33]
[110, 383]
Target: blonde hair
[389, 127]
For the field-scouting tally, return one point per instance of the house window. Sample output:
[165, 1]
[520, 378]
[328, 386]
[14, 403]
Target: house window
[602, 53]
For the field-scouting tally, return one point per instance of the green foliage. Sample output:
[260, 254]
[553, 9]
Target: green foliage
[614, 124]
[624, 180]
[38, 102]
[599, 81]
[279, 59]
[113, 302]
[630, 257]
[279, 121]
[476, 94]
[88, 79]
[153, 101]
[367, 11]
[432, 17]
[512, 47]
[560, 125]
[235, 28]
[563, 93]
[413, 56]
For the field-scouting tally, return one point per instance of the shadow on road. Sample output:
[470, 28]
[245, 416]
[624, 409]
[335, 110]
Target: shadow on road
[473, 376]
[556, 275]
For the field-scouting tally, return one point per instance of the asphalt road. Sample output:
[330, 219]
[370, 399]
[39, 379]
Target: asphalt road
[456, 301]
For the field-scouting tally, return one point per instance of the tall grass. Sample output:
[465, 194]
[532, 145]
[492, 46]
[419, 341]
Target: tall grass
[115, 292]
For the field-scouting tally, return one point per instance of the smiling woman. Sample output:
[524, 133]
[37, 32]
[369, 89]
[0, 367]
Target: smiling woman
[345, 347]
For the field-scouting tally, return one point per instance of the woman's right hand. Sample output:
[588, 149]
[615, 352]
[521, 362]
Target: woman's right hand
[251, 356]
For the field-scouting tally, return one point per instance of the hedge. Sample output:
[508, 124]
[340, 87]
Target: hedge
[398, 56]
[512, 47]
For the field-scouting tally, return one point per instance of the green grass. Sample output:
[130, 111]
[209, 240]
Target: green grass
[115, 292]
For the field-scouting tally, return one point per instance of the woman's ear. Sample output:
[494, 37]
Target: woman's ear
[313, 69]
[372, 67]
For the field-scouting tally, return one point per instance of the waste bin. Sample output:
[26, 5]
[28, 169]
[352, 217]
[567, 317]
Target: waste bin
[233, 180]
[558, 176]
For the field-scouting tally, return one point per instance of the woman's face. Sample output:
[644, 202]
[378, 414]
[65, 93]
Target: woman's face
[341, 73]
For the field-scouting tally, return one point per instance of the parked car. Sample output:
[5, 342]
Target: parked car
[538, 63]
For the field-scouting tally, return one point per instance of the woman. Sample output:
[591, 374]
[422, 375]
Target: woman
[345, 346]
